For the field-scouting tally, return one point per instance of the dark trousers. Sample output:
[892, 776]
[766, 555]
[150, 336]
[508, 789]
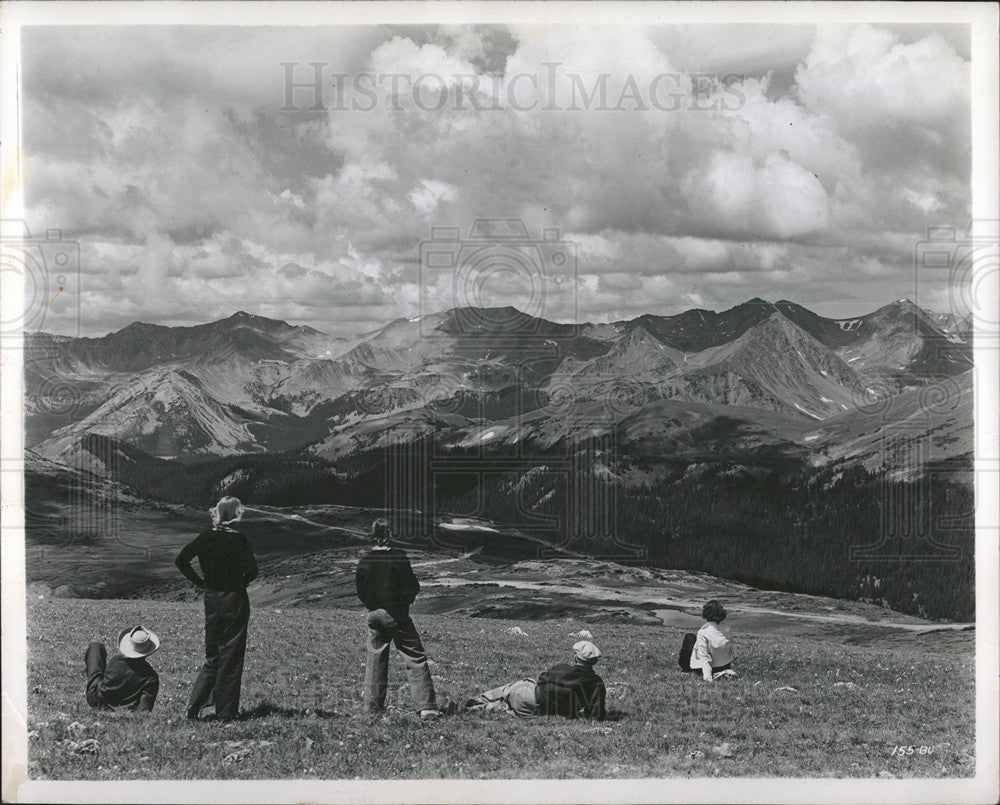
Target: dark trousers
[96, 658]
[397, 627]
[227, 615]
[687, 648]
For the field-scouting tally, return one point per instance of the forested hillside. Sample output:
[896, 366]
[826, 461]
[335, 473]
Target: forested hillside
[776, 524]
[819, 534]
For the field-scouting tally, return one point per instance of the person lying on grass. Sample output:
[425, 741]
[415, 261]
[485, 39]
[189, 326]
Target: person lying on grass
[710, 651]
[568, 690]
[128, 681]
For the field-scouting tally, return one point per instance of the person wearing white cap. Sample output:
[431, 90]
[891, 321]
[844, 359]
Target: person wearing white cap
[128, 680]
[574, 689]
[567, 689]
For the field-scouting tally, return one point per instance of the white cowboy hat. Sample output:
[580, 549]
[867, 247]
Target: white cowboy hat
[137, 642]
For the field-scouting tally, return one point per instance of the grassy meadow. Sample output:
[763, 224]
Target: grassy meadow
[800, 707]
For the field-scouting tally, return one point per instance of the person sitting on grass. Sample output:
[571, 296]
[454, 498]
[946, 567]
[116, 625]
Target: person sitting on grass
[128, 681]
[566, 689]
[709, 652]
[387, 587]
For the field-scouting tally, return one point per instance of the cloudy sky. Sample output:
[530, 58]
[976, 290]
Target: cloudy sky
[809, 173]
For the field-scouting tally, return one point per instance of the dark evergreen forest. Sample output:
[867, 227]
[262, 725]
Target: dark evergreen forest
[850, 533]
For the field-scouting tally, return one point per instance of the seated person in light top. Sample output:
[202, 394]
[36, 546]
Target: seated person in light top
[713, 651]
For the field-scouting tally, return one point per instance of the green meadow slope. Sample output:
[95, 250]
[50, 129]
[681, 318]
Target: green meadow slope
[801, 706]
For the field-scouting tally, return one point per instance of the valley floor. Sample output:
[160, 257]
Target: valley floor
[802, 706]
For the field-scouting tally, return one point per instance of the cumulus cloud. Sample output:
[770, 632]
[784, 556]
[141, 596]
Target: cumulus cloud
[902, 102]
[170, 156]
[864, 75]
[426, 197]
[775, 199]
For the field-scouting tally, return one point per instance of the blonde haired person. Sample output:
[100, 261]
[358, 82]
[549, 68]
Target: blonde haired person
[228, 566]
[227, 511]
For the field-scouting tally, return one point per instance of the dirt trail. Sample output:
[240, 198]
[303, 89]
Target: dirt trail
[668, 609]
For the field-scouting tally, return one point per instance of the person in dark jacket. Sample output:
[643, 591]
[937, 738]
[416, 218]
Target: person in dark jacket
[228, 566]
[570, 690]
[386, 586]
[128, 680]
[574, 689]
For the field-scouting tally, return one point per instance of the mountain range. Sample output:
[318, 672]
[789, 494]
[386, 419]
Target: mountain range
[496, 376]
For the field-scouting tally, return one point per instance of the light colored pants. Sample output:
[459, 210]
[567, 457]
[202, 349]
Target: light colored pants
[515, 697]
[396, 627]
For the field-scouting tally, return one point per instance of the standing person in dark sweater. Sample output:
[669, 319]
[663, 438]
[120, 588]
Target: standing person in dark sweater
[228, 565]
[568, 690]
[127, 681]
[386, 586]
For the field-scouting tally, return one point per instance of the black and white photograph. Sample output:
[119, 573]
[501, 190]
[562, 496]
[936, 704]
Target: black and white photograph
[475, 402]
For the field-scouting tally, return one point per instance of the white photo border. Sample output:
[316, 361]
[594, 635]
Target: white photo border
[983, 19]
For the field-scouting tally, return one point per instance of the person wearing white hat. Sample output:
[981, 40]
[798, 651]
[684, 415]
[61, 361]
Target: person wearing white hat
[128, 680]
[566, 689]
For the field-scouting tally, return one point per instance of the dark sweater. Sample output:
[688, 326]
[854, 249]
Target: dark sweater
[385, 580]
[566, 690]
[130, 683]
[225, 557]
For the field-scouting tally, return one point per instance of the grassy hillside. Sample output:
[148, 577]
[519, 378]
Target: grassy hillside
[800, 706]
